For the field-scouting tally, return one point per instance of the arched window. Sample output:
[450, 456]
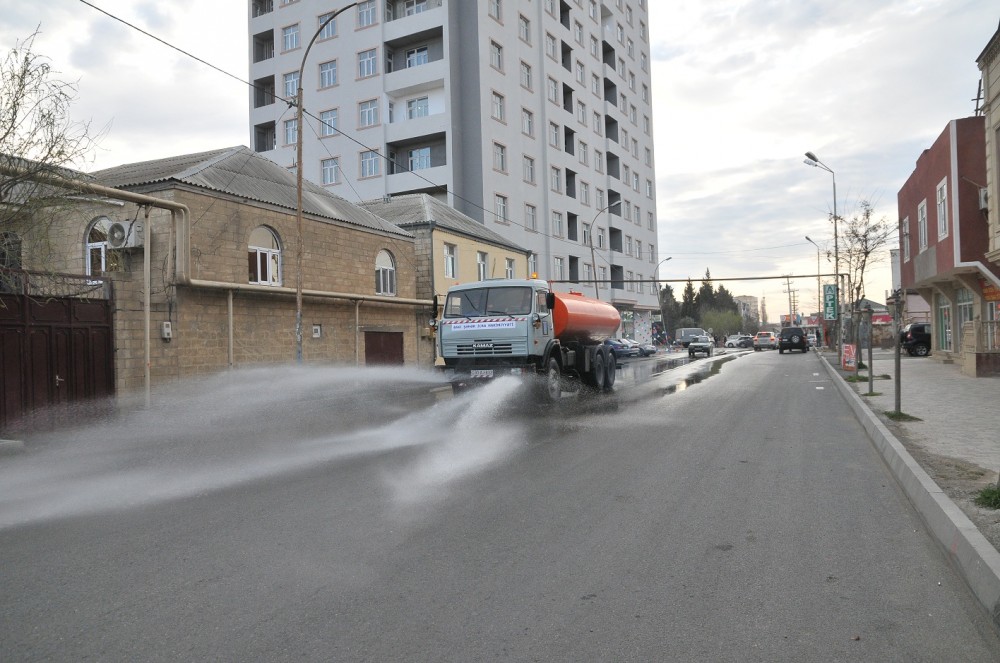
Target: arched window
[264, 257]
[101, 258]
[385, 274]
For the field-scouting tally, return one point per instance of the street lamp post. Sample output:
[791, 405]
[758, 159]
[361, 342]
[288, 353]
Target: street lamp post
[819, 287]
[659, 293]
[593, 255]
[298, 183]
[812, 160]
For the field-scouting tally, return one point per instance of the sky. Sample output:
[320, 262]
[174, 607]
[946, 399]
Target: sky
[741, 90]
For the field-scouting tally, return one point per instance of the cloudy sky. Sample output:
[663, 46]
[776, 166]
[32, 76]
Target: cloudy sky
[741, 90]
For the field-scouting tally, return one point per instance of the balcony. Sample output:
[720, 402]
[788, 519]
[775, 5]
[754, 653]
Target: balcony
[412, 80]
[403, 27]
[426, 180]
[403, 129]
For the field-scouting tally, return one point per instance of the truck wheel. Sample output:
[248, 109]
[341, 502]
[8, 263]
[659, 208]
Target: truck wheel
[553, 380]
[597, 370]
[610, 371]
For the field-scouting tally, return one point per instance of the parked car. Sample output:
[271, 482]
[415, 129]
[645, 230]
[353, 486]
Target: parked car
[646, 349]
[915, 338]
[764, 340]
[811, 338]
[621, 349]
[701, 344]
[739, 341]
[792, 338]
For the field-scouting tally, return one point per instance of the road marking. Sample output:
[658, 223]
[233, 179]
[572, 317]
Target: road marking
[820, 388]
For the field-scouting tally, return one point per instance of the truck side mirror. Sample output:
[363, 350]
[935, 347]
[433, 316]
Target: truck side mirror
[550, 300]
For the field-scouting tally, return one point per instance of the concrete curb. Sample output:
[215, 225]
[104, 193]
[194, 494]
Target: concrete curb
[967, 549]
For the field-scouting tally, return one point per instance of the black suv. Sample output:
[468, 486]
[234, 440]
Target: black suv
[792, 338]
[916, 339]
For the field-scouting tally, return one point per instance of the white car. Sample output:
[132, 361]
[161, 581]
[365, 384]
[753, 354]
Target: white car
[812, 340]
[739, 341]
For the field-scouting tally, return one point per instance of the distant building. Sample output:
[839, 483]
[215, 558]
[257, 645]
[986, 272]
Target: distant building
[534, 119]
[944, 240]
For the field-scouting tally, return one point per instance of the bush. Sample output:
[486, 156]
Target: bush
[989, 497]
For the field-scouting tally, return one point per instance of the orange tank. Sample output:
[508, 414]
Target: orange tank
[583, 319]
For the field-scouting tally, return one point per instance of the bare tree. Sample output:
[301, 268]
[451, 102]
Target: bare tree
[37, 136]
[866, 239]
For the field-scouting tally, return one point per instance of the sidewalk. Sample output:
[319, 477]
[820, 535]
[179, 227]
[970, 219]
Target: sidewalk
[958, 421]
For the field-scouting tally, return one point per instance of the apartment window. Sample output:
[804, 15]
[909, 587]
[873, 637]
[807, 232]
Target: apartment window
[418, 107]
[595, 47]
[586, 234]
[368, 113]
[499, 157]
[330, 170]
[554, 132]
[552, 90]
[525, 75]
[291, 81]
[533, 264]
[100, 260]
[581, 113]
[628, 245]
[494, 9]
[412, 7]
[635, 184]
[328, 74]
[922, 225]
[367, 64]
[633, 115]
[367, 13]
[643, 62]
[531, 218]
[527, 122]
[585, 193]
[648, 157]
[599, 199]
[598, 124]
[450, 261]
[645, 93]
[630, 48]
[649, 189]
[620, 33]
[595, 84]
[385, 274]
[550, 46]
[496, 56]
[592, 10]
[291, 131]
[419, 158]
[416, 57]
[636, 216]
[498, 107]
[638, 249]
[906, 239]
[599, 161]
[500, 208]
[508, 271]
[584, 154]
[524, 29]
[650, 223]
[264, 254]
[555, 179]
[600, 238]
[529, 169]
[942, 208]
[290, 37]
[578, 32]
[369, 163]
[557, 268]
[557, 224]
[482, 262]
[329, 30]
[602, 277]
[629, 277]
[645, 124]
[328, 122]
[581, 73]
[621, 68]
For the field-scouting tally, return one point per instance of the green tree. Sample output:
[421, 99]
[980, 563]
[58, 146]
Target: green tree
[689, 305]
[705, 299]
[669, 309]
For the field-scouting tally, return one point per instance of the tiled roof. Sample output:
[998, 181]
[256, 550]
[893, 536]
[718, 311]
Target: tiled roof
[412, 210]
[240, 171]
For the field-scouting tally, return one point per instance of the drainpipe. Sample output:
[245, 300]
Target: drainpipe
[357, 332]
[147, 284]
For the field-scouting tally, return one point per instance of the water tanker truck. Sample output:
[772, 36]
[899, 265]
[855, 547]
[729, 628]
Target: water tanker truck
[521, 327]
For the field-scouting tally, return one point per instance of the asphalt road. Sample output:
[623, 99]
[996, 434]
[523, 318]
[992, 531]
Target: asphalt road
[722, 511]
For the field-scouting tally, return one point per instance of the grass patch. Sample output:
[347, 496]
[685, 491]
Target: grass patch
[900, 416]
[856, 378]
[874, 393]
[989, 497]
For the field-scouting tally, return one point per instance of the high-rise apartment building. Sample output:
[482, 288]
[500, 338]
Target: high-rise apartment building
[533, 117]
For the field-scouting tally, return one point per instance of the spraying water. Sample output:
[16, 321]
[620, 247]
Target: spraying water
[206, 435]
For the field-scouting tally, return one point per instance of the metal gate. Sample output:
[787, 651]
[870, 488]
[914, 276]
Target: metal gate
[56, 347]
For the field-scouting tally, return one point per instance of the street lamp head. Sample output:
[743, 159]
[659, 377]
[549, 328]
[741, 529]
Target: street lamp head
[811, 156]
[810, 162]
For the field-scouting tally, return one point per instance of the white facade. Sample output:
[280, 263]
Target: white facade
[534, 118]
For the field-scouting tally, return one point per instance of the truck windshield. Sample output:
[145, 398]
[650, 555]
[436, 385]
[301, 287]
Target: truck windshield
[488, 301]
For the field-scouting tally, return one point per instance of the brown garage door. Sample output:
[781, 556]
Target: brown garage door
[382, 348]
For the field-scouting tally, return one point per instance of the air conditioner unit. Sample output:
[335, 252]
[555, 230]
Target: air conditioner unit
[122, 236]
[984, 198]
